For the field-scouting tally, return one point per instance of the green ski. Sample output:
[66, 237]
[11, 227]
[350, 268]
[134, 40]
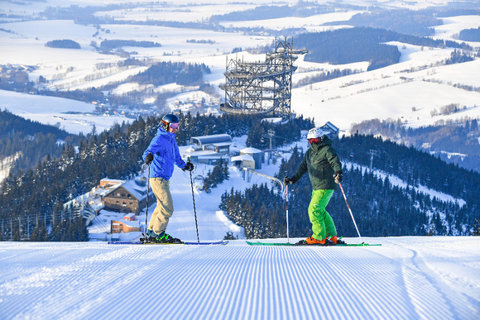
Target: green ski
[259, 243]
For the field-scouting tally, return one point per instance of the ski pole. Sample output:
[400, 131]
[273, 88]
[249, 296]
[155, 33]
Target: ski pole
[146, 210]
[350, 210]
[194, 208]
[286, 196]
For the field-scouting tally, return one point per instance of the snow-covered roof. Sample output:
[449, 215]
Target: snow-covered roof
[221, 144]
[186, 154]
[242, 157]
[212, 156]
[250, 151]
[273, 120]
[330, 126]
[134, 223]
[137, 191]
[211, 139]
[112, 180]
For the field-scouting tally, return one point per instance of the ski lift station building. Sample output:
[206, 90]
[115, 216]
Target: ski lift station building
[208, 149]
[251, 158]
[220, 143]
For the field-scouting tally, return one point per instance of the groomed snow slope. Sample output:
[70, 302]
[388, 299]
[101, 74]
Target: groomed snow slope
[406, 278]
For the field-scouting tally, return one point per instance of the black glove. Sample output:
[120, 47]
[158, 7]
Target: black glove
[188, 167]
[338, 176]
[288, 180]
[149, 159]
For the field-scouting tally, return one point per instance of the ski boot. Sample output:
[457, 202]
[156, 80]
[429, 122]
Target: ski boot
[312, 241]
[166, 238]
[148, 237]
[333, 240]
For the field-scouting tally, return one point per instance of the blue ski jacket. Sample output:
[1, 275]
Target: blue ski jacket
[165, 152]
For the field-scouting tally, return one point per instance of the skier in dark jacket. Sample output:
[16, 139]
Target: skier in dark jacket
[324, 169]
[161, 155]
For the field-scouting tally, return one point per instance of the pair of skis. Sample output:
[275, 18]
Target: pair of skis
[188, 243]
[142, 240]
[251, 243]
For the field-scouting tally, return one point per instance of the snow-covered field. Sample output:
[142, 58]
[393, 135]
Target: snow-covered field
[410, 90]
[401, 91]
[67, 114]
[405, 278]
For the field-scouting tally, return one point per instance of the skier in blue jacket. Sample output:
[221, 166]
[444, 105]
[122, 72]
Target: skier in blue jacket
[161, 155]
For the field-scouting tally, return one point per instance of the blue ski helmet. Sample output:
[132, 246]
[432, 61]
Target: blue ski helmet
[168, 119]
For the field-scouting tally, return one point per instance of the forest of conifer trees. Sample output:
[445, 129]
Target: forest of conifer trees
[32, 200]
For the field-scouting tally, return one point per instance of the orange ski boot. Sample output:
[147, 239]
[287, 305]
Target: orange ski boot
[333, 240]
[311, 241]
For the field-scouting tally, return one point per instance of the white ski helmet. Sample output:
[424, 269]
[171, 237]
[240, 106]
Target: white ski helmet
[316, 133]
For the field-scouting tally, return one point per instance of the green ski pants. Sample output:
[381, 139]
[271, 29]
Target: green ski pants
[322, 222]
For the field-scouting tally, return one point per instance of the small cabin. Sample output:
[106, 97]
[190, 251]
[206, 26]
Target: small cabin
[129, 217]
[243, 161]
[331, 129]
[127, 197]
[122, 226]
[256, 154]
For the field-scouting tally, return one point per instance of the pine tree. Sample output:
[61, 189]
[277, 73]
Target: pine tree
[476, 228]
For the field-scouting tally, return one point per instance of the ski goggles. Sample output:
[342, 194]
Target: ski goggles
[313, 140]
[174, 125]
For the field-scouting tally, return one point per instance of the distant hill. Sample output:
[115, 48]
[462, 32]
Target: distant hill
[11, 124]
[360, 44]
[34, 141]
[456, 142]
[470, 34]
[413, 22]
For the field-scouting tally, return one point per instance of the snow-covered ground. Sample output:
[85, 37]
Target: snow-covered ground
[5, 165]
[67, 114]
[405, 278]
[405, 91]
[452, 26]
[311, 23]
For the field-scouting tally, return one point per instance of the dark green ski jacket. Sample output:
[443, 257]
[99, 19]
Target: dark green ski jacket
[321, 162]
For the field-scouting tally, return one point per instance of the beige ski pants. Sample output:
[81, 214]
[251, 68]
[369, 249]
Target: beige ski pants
[164, 210]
